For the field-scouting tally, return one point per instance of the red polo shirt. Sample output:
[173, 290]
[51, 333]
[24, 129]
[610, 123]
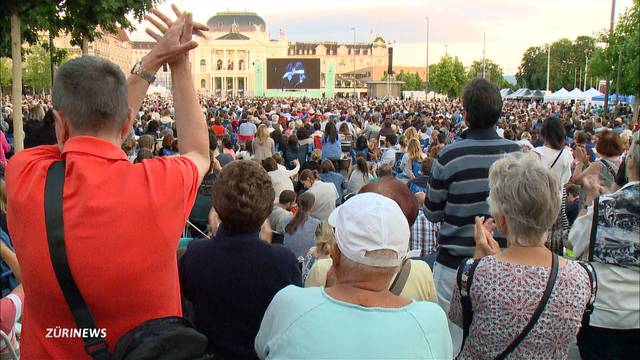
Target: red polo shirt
[122, 224]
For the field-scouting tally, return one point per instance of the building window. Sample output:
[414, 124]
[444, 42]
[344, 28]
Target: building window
[203, 83]
[203, 62]
[219, 64]
[230, 64]
[241, 65]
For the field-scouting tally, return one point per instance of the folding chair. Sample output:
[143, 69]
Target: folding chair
[12, 352]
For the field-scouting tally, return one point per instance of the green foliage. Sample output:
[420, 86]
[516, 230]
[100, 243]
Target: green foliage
[493, 73]
[37, 66]
[447, 76]
[624, 41]
[83, 17]
[35, 15]
[5, 72]
[567, 62]
[412, 82]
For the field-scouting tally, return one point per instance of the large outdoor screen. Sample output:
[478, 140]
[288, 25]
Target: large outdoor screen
[293, 74]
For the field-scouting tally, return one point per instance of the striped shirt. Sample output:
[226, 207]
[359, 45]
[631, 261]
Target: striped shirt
[458, 191]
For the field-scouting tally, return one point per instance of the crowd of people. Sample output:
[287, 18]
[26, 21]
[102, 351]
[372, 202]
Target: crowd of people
[473, 228]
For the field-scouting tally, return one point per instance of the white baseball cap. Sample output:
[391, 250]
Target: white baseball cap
[369, 222]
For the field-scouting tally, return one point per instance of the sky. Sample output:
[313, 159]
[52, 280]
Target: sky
[455, 26]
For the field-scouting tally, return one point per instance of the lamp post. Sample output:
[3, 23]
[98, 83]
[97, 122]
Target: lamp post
[426, 89]
[548, 64]
[606, 95]
[484, 55]
[353, 82]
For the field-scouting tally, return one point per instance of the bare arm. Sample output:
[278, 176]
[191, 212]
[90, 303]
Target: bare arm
[137, 86]
[190, 122]
[579, 174]
[9, 257]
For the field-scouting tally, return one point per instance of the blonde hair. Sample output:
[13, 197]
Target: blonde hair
[324, 239]
[411, 133]
[414, 151]
[525, 135]
[262, 134]
[316, 154]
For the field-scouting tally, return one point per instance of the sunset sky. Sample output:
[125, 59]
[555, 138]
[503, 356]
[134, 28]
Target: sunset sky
[511, 26]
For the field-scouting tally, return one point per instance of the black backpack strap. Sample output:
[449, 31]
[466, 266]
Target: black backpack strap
[95, 346]
[593, 282]
[464, 278]
[594, 227]
[536, 314]
[556, 160]
[606, 164]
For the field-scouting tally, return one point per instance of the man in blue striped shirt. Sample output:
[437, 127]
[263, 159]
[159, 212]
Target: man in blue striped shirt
[459, 186]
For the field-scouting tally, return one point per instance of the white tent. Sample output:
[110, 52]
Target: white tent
[590, 94]
[577, 94]
[561, 95]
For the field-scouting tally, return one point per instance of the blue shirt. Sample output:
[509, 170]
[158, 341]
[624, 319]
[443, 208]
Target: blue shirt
[331, 150]
[337, 179]
[310, 324]
[303, 238]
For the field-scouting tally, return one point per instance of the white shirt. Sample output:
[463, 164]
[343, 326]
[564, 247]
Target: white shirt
[280, 182]
[389, 155]
[562, 167]
[326, 196]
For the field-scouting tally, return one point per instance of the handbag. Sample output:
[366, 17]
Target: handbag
[169, 337]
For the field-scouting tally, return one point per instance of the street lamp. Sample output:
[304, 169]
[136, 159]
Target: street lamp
[426, 90]
[353, 82]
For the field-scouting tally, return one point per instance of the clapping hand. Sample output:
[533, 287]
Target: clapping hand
[176, 40]
[485, 243]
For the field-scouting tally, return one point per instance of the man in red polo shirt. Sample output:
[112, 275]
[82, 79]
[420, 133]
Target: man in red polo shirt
[122, 221]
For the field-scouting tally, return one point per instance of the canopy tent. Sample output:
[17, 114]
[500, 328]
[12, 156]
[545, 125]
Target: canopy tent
[577, 94]
[516, 94]
[591, 93]
[613, 98]
[561, 95]
[504, 92]
[534, 95]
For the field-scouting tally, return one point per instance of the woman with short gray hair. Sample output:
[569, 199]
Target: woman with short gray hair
[498, 295]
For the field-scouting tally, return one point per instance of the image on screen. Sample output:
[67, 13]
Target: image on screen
[293, 74]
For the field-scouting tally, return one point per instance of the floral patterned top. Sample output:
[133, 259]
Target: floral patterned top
[504, 297]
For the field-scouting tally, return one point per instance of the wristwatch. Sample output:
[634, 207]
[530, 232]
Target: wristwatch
[140, 71]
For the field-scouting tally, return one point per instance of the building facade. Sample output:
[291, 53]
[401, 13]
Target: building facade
[225, 63]
[115, 47]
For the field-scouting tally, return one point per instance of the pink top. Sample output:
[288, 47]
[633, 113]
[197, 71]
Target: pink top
[504, 297]
[4, 149]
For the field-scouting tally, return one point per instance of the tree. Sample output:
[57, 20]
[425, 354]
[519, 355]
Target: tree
[447, 76]
[492, 72]
[37, 71]
[86, 19]
[622, 43]
[26, 18]
[412, 82]
[5, 72]
[567, 61]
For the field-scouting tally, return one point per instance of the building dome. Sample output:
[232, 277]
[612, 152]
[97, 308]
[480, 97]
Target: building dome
[245, 22]
[379, 41]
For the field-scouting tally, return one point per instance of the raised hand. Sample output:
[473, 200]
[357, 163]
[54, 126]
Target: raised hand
[485, 243]
[175, 38]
